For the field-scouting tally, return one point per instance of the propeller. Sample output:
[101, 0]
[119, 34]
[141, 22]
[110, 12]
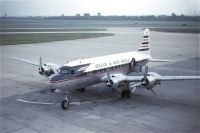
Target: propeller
[140, 83]
[134, 85]
[41, 69]
[143, 82]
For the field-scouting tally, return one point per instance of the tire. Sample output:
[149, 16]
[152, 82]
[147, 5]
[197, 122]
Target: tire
[65, 104]
[128, 94]
[122, 94]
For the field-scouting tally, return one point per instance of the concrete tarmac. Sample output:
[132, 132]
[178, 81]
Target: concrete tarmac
[174, 110]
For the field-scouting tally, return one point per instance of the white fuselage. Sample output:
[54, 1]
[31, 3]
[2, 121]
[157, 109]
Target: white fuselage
[97, 68]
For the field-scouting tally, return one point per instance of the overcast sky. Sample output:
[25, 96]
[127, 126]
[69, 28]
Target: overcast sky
[105, 7]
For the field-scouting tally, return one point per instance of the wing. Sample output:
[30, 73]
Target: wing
[149, 80]
[26, 61]
[119, 78]
[116, 79]
[46, 69]
[157, 78]
[169, 78]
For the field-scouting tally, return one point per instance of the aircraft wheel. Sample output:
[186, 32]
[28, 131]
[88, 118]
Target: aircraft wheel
[123, 94]
[65, 104]
[128, 94]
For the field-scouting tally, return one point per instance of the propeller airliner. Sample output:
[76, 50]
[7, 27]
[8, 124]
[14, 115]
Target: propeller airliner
[113, 70]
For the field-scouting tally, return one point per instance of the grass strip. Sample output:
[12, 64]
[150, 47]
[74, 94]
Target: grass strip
[195, 30]
[13, 39]
[49, 29]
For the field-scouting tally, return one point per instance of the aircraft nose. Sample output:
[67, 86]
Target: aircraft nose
[57, 78]
[54, 80]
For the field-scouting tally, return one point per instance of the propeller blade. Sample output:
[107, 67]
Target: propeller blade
[108, 76]
[40, 62]
[109, 82]
[145, 73]
[133, 90]
[44, 75]
[135, 85]
[152, 90]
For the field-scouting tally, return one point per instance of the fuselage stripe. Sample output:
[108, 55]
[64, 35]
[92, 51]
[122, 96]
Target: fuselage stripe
[86, 76]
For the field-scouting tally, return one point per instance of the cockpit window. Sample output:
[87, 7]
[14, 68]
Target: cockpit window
[64, 71]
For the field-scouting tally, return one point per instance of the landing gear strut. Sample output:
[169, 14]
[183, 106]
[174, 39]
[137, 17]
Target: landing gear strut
[65, 103]
[126, 93]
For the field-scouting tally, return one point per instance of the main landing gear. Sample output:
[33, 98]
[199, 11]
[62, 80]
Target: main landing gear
[126, 94]
[65, 103]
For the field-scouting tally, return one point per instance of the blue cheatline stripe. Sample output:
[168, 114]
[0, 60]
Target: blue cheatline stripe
[73, 78]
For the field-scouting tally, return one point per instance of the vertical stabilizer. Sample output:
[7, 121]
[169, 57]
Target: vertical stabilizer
[145, 45]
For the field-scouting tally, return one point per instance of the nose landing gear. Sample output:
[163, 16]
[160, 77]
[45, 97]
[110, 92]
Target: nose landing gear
[65, 103]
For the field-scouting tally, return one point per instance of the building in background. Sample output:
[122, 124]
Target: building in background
[99, 14]
[77, 15]
[86, 15]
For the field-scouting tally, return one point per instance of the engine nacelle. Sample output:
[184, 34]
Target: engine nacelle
[151, 80]
[45, 71]
[112, 83]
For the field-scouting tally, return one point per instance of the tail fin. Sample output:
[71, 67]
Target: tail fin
[145, 45]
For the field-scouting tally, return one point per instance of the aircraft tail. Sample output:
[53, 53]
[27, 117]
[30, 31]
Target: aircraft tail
[145, 45]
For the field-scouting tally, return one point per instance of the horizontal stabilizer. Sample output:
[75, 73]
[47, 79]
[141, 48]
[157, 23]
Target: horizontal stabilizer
[160, 60]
